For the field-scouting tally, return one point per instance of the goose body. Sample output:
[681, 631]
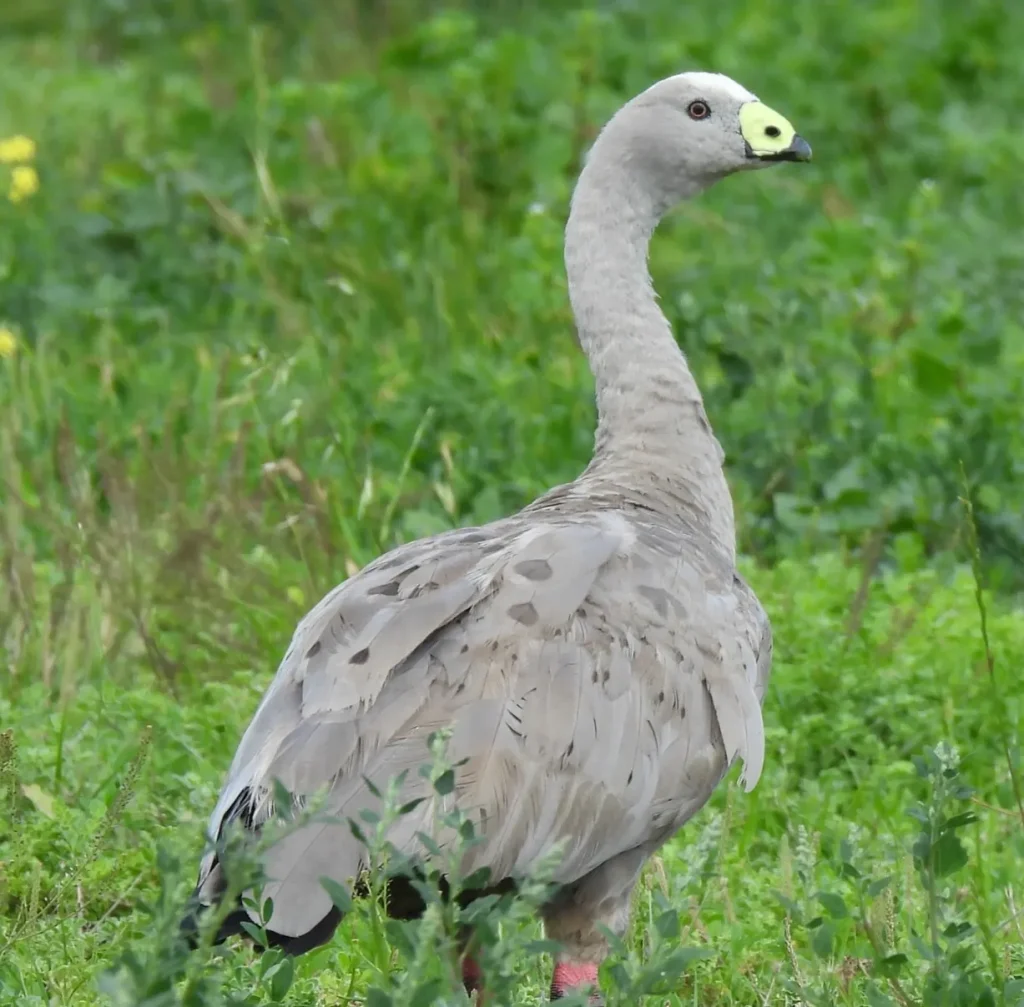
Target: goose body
[597, 657]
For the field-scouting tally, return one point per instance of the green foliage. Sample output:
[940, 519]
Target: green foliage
[944, 961]
[825, 827]
[291, 291]
[238, 200]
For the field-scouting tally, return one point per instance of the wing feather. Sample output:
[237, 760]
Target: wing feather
[596, 687]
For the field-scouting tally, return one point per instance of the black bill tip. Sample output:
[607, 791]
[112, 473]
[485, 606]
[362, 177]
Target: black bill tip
[798, 150]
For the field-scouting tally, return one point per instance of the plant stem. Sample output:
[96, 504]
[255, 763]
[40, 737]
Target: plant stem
[990, 662]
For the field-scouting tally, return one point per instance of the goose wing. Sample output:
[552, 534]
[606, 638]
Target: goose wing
[595, 687]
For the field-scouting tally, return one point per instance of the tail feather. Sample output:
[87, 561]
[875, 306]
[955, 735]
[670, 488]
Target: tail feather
[231, 926]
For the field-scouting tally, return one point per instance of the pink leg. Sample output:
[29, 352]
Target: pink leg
[577, 916]
[571, 976]
[472, 978]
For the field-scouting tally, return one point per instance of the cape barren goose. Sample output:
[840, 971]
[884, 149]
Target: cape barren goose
[598, 658]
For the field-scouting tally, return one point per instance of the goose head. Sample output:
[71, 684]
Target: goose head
[688, 131]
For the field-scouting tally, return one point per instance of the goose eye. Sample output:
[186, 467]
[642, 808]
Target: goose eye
[698, 110]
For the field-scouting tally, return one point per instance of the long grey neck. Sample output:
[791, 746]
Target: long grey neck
[653, 438]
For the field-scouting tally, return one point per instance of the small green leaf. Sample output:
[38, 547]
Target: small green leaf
[878, 886]
[401, 936]
[429, 844]
[876, 998]
[667, 925]
[932, 374]
[480, 878]
[834, 905]
[687, 955]
[1013, 991]
[258, 934]
[410, 806]
[958, 931]
[891, 964]
[787, 903]
[283, 801]
[822, 939]
[959, 821]
[340, 895]
[948, 855]
[445, 783]
[542, 947]
[618, 975]
[269, 962]
[923, 948]
[426, 993]
[282, 980]
[43, 802]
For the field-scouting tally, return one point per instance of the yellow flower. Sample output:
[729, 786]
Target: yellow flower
[24, 183]
[15, 149]
[8, 343]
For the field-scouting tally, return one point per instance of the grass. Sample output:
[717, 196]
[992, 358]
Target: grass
[290, 292]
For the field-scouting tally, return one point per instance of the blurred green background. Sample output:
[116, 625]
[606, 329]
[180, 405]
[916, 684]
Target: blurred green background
[350, 216]
[290, 291]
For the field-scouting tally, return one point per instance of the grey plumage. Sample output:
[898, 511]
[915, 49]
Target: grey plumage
[599, 660]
